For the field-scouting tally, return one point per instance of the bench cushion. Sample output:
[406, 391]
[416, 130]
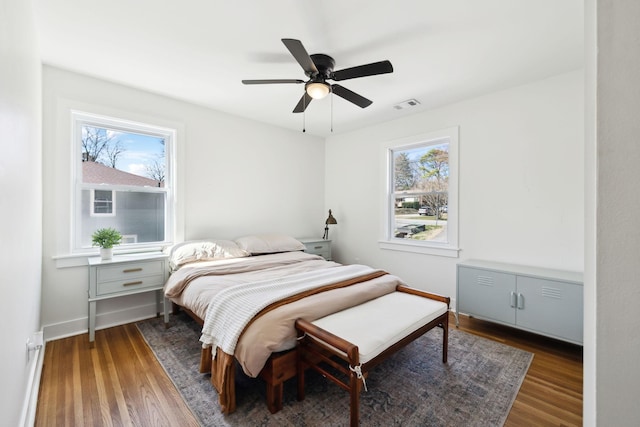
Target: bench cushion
[378, 324]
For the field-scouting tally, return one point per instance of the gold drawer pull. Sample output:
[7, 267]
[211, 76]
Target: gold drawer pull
[139, 282]
[132, 270]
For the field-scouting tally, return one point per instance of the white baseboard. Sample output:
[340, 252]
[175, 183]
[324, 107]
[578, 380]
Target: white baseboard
[103, 320]
[28, 414]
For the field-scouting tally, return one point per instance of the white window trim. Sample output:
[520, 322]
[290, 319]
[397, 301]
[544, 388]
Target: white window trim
[387, 241]
[80, 118]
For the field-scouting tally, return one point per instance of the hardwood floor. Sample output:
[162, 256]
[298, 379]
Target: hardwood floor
[551, 393]
[120, 383]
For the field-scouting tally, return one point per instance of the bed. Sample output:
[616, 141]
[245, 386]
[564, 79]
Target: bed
[248, 293]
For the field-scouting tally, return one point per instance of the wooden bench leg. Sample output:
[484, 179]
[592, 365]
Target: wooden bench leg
[445, 338]
[354, 390]
[274, 397]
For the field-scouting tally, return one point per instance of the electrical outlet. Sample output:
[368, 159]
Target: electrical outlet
[35, 342]
[37, 338]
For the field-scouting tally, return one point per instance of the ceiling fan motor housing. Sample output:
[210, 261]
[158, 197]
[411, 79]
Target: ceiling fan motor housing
[324, 64]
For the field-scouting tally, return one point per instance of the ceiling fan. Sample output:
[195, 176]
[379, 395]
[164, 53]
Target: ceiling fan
[319, 69]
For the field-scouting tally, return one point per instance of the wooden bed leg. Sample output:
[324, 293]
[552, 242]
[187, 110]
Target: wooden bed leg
[300, 373]
[274, 397]
[205, 360]
[226, 395]
[175, 308]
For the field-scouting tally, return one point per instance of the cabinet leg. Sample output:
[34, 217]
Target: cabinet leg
[92, 322]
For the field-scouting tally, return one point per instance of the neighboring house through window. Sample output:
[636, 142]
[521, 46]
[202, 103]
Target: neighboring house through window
[123, 180]
[421, 195]
[102, 202]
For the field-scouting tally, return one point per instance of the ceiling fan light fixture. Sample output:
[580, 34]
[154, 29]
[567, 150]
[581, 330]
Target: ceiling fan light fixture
[317, 90]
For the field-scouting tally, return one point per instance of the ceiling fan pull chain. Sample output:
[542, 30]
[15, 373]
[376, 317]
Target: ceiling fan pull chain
[331, 111]
[304, 114]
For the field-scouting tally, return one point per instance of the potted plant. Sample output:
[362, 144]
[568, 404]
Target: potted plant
[106, 238]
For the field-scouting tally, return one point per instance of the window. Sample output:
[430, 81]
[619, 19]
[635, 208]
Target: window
[123, 179]
[421, 194]
[102, 203]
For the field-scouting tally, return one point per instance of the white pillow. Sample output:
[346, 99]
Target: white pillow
[203, 250]
[269, 243]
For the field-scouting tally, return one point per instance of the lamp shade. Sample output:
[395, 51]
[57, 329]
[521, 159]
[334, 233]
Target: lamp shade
[317, 90]
[330, 220]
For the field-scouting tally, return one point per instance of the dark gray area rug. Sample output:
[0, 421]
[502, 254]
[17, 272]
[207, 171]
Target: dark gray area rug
[412, 388]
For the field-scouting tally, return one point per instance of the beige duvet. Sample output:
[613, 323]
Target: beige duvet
[195, 286]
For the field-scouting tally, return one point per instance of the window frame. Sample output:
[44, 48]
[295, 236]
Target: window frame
[387, 240]
[82, 118]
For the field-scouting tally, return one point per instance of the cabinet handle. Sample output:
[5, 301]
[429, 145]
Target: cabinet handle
[132, 270]
[138, 282]
[514, 299]
[520, 301]
[317, 247]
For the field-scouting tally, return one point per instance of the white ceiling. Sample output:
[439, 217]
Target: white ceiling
[442, 51]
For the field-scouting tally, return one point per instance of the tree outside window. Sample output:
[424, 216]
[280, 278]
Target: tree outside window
[421, 194]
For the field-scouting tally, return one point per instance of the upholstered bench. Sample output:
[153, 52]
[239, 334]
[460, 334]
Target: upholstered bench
[365, 335]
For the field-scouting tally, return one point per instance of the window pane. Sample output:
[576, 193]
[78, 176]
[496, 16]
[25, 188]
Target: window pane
[140, 216]
[421, 193]
[122, 158]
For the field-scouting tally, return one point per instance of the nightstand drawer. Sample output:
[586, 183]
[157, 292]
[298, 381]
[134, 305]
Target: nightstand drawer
[325, 253]
[127, 271]
[130, 284]
[317, 247]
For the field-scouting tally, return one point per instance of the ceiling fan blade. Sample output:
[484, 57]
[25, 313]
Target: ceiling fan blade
[268, 82]
[303, 103]
[351, 96]
[300, 54]
[382, 67]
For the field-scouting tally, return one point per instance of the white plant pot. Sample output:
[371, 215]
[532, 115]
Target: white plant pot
[106, 253]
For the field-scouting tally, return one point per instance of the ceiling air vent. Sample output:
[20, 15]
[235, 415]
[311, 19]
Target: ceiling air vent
[406, 104]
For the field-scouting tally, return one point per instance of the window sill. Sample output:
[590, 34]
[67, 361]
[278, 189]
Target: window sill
[80, 259]
[419, 248]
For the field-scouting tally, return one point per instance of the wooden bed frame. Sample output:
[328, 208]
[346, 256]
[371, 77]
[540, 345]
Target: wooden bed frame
[279, 368]
[284, 365]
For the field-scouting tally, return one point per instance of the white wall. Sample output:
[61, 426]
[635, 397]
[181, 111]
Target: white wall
[20, 204]
[590, 186]
[235, 177]
[617, 212]
[521, 182]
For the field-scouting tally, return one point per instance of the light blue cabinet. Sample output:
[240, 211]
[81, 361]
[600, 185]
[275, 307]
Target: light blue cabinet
[544, 301]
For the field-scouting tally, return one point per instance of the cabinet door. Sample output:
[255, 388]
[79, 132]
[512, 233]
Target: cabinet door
[487, 294]
[550, 307]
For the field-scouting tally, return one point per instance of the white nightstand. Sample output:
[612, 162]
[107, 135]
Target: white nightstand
[126, 275]
[317, 246]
